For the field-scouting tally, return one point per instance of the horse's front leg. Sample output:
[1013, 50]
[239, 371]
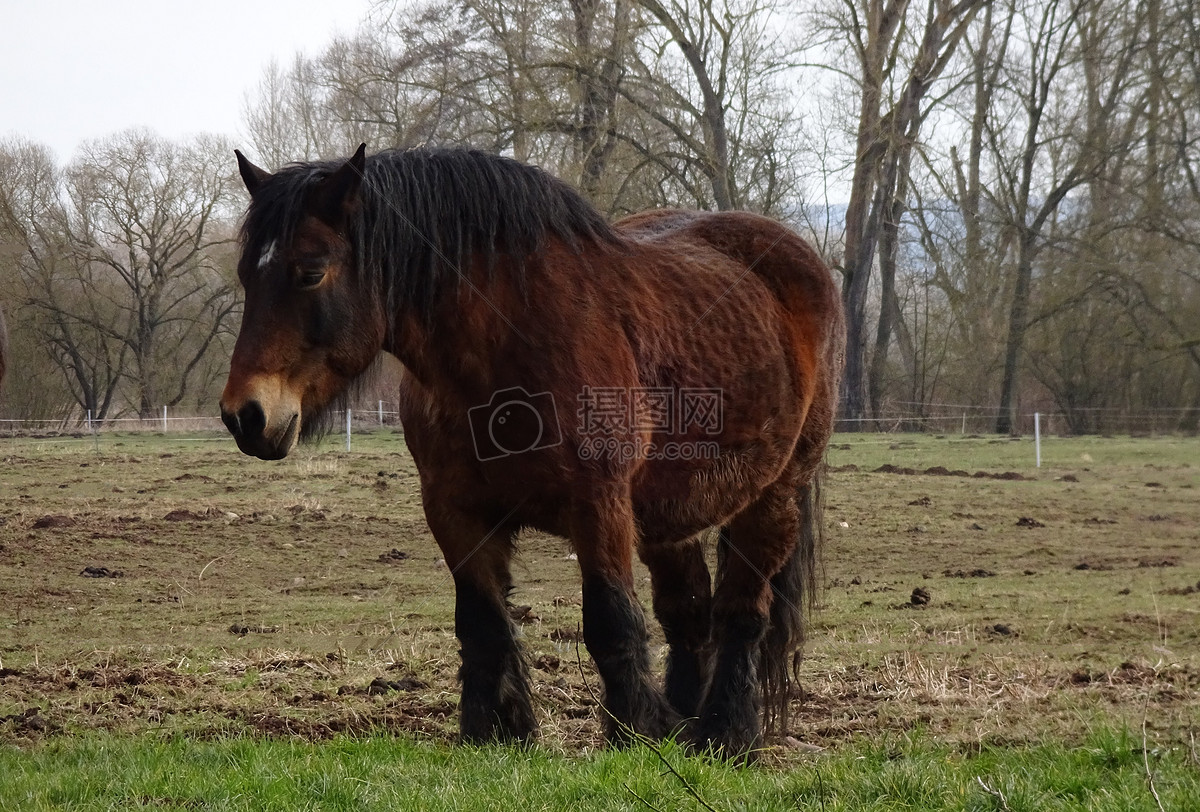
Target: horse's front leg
[614, 625]
[495, 703]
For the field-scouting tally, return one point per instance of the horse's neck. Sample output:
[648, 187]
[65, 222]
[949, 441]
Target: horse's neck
[449, 352]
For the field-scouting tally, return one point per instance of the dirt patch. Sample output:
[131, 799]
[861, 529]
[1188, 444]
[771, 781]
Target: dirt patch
[523, 614]
[194, 478]
[101, 572]
[241, 629]
[54, 521]
[184, 516]
[379, 685]
[940, 470]
[28, 722]
[547, 662]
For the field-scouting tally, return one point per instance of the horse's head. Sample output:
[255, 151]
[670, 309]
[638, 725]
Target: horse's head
[311, 323]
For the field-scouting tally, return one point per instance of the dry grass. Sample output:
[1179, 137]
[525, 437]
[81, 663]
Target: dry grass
[266, 598]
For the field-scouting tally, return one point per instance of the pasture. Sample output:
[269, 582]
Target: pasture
[160, 589]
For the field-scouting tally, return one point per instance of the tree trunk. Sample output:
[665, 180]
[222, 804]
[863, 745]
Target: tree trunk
[1018, 322]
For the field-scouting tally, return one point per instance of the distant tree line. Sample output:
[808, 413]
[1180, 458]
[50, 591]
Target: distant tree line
[1018, 226]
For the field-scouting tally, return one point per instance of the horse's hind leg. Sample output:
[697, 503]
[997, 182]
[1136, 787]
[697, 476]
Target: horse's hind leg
[683, 605]
[756, 544]
[614, 626]
[495, 702]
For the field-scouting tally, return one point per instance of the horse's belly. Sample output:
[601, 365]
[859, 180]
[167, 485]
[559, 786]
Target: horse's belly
[677, 498]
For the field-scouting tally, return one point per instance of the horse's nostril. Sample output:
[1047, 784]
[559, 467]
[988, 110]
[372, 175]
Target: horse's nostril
[248, 421]
[251, 419]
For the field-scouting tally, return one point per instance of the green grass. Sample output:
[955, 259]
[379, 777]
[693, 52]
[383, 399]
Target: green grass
[911, 772]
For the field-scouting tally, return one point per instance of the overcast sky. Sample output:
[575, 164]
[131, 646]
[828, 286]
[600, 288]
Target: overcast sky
[71, 71]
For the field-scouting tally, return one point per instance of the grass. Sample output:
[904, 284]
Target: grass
[280, 635]
[900, 772]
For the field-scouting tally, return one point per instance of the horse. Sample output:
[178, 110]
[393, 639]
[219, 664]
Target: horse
[628, 386]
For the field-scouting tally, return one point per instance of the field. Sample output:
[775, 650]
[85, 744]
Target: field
[160, 589]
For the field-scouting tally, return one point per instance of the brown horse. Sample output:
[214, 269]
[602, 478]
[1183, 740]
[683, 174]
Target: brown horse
[626, 387]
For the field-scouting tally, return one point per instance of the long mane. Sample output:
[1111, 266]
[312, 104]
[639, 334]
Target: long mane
[426, 211]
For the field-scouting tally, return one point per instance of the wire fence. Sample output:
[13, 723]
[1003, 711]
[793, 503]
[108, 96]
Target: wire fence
[946, 418]
[900, 418]
[194, 427]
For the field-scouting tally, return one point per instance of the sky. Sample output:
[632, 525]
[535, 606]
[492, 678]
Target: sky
[73, 71]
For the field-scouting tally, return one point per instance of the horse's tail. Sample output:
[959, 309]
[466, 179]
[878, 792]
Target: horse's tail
[794, 591]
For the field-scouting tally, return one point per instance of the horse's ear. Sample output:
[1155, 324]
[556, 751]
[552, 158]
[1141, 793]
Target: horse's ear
[337, 195]
[252, 176]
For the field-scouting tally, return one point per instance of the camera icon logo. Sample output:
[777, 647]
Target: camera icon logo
[514, 422]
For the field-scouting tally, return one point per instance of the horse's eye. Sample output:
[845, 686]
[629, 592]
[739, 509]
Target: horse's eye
[309, 274]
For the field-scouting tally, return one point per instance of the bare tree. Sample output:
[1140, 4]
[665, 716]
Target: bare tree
[286, 119]
[1064, 143]
[957, 223]
[40, 270]
[657, 103]
[894, 76]
[121, 256]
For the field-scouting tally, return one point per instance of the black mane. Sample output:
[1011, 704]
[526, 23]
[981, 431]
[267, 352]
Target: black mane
[425, 212]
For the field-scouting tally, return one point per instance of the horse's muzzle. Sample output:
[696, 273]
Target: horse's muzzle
[249, 428]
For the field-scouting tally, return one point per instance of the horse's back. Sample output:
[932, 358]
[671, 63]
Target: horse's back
[783, 259]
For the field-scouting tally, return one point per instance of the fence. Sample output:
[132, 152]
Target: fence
[920, 418]
[76, 426]
[946, 418]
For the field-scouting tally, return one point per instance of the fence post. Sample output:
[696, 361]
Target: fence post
[164, 419]
[347, 428]
[381, 412]
[1037, 437]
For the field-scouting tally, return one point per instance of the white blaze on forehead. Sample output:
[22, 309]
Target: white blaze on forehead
[267, 255]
